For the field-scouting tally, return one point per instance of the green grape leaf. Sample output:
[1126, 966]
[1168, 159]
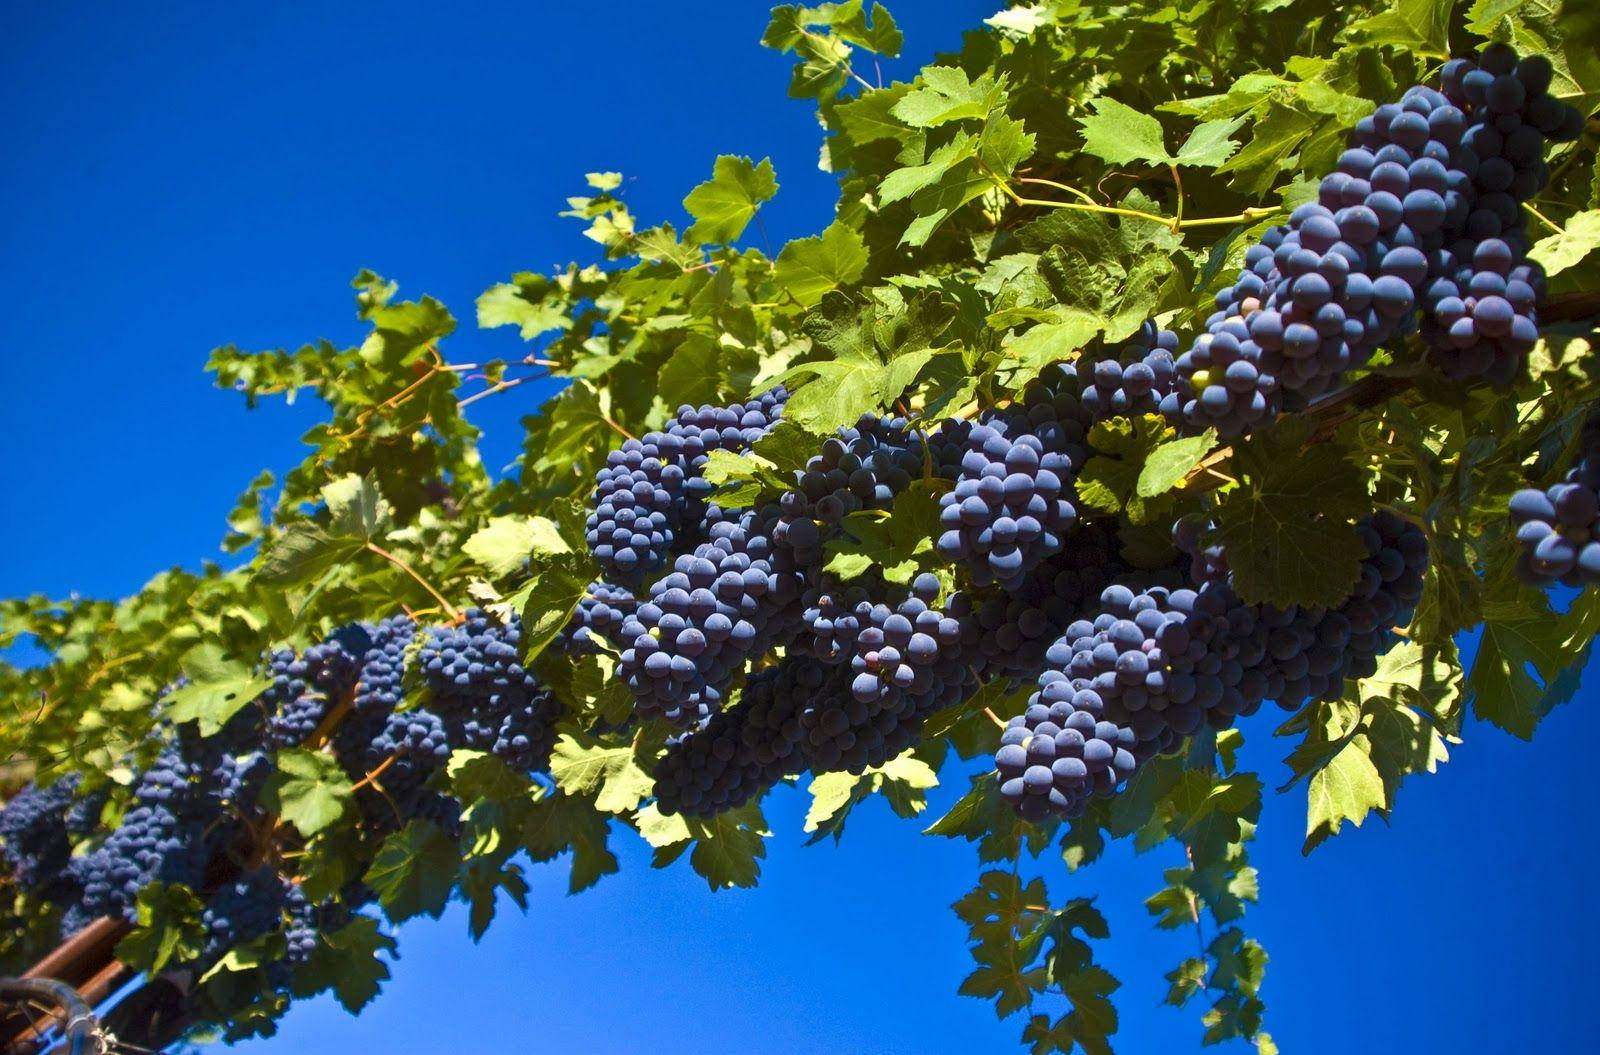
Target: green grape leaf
[1577, 239]
[550, 596]
[729, 847]
[218, 688]
[168, 927]
[502, 545]
[727, 202]
[562, 822]
[1210, 145]
[1346, 788]
[481, 883]
[947, 94]
[1118, 133]
[308, 789]
[347, 962]
[1521, 648]
[1169, 463]
[476, 776]
[1421, 27]
[1109, 480]
[1288, 526]
[414, 871]
[809, 267]
[582, 765]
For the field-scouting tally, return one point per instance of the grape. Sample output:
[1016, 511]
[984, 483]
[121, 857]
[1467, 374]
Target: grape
[480, 690]
[1015, 630]
[741, 751]
[1159, 663]
[1558, 530]
[34, 838]
[1060, 751]
[242, 911]
[306, 688]
[734, 597]
[167, 836]
[651, 488]
[863, 467]
[1478, 311]
[300, 929]
[1136, 380]
[601, 612]
[1011, 506]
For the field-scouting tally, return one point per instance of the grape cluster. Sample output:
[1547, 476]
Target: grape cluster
[1137, 380]
[602, 610]
[743, 750]
[1558, 529]
[732, 598]
[895, 649]
[167, 836]
[1016, 628]
[306, 687]
[1479, 305]
[1420, 217]
[481, 691]
[651, 488]
[1059, 752]
[242, 911]
[863, 467]
[1011, 506]
[1157, 664]
[34, 836]
[300, 927]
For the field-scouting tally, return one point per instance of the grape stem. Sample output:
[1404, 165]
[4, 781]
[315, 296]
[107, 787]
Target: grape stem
[449, 609]
[371, 778]
[1542, 218]
[994, 718]
[1176, 223]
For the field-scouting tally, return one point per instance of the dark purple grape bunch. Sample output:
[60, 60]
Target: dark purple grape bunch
[307, 687]
[733, 598]
[1558, 529]
[485, 697]
[35, 838]
[1135, 380]
[243, 910]
[1311, 652]
[1479, 309]
[1061, 751]
[735, 428]
[863, 467]
[896, 648]
[602, 610]
[830, 625]
[168, 836]
[744, 750]
[846, 728]
[1011, 506]
[1016, 629]
[651, 488]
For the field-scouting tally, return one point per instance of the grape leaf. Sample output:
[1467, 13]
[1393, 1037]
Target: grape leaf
[1577, 239]
[809, 267]
[309, 790]
[1288, 525]
[346, 961]
[414, 871]
[582, 764]
[1346, 788]
[727, 202]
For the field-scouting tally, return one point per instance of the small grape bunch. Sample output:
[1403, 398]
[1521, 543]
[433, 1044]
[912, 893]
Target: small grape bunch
[1059, 752]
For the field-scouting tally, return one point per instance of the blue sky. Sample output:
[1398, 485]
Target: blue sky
[183, 177]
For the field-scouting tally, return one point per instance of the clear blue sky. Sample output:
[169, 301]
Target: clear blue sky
[191, 174]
